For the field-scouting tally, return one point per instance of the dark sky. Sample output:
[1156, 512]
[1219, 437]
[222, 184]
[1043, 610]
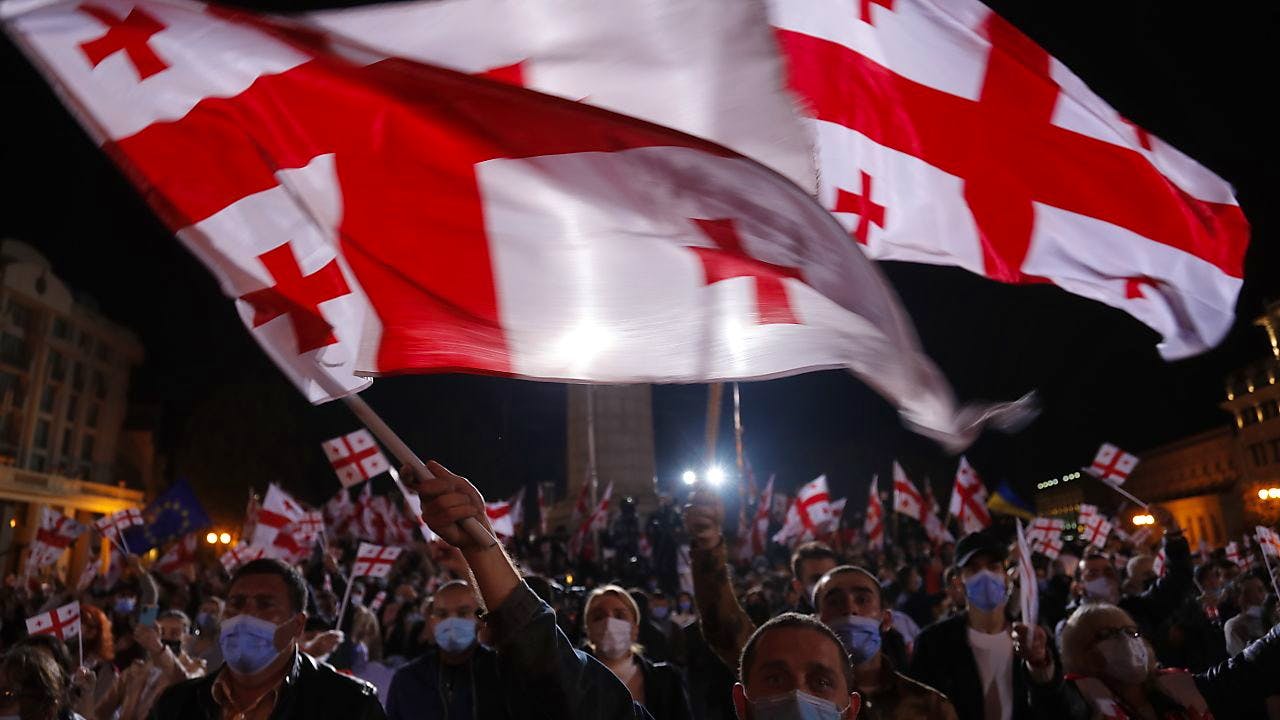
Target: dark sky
[1195, 76]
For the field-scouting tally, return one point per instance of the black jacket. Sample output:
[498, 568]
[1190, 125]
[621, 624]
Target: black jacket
[310, 690]
[664, 694]
[944, 661]
[417, 690]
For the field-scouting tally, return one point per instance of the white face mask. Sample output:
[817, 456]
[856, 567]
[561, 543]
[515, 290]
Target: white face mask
[1124, 659]
[613, 638]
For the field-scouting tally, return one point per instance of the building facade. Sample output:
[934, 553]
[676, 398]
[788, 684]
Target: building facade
[621, 419]
[64, 380]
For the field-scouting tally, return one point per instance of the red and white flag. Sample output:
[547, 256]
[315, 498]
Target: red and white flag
[806, 517]
[1044, 527]
[946, 136]
[1028, 589]
[312, 219]
[500, 518]
[1112, 464]
[182, 553]
[53, 537]
[374, 560]
[278, 510]
[1050, 546]
[1159, 564]
[355, 457]
[113, 525]
[873, 524]
[969, 499]
[1233, 554]
[1269, 541]
[240, 554]
[1096, 528]
[62, 623]
[907, 500]
[339, 512]
[377, 602]
[934, 528]
[757, 534]
[837, 512]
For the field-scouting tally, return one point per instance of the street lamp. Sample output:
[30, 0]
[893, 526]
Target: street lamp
[1144, 520]
[689, 477]
[211, 538]
[715, 476]
[225, 538]
[1269, 493]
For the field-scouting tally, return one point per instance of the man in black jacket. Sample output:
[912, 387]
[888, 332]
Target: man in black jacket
[988, 669]
[266, 675]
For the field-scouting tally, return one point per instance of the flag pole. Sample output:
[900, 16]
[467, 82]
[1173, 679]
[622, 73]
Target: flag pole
[592, 474]
[1270, 570]
[80, 642]
[715, 392]
[346, 595]
[407, 456]
[1126, 494]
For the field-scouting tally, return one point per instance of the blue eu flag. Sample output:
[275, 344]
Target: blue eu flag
[175, 513]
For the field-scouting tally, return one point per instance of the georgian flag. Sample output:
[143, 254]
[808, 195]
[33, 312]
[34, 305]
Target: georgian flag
[277, 511]
[906, 498]
[562, 242]
[374, 560]
[179, 556]
[500, 518]
[873, 525]
[946, 136]
[54, 535]
[1028, 589]
[241, 554]
[114, 524]
[355, 457]
[969, 499]
[62, 623]
[1043, 527]
[1112, 465]
[808, 514]
[934, 528]
[1233, 554]
[1269, 541]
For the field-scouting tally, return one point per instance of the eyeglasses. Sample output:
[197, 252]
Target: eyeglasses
[1128, 631]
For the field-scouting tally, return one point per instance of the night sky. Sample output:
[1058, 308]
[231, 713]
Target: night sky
[1199, 78]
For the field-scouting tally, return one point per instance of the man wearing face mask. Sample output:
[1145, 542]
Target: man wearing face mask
[989, 669]
[166, 664]
[455, 677]
[851, 603]
[266, 675]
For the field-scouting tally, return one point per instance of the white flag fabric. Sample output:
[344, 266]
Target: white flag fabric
[810, 512]
[278, 510]
[54, 535]
[62, 622]
[699, 264]
[114, 524]
[1097, 528]
[1112, 464]
[1044, 527]
[1028, 589]
[500, 518]
[934, 528]
[906, 498]
[873, 524]
[946, 136]
[969, 499]
[355, 457]
[240, 554]
[374, 560]
[1269, 541]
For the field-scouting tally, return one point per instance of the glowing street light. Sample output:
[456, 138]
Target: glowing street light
[715, 476]
[689, 477]
[1144, 520]
[211, 538]
[225, 538]
[1269, 493]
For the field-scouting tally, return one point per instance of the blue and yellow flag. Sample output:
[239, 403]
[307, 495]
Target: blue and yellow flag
[1006, 502]
[175, 513]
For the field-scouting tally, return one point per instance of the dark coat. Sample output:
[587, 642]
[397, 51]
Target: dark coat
[416, 691]
[943, 660]
[664, 694]
[310, 690]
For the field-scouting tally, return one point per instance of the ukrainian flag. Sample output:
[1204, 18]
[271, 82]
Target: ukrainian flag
[1006, 502]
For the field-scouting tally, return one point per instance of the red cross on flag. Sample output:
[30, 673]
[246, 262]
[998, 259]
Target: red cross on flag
[758, 533]
[1269, 541]
[500, 518]
[374, 560]
[1233, 554]
[355, 457]
[873, 524]
[969, 499]
[182, 553]
[580, 544]
[1050, 546]
[1112, 465]
[1159, 564]
[54, 535]
[278, 510]
[1043, 527]
[240, 554]
[946, 136]
[62, 623]
[810, 512]
[934, 528]
[1096, 528]
[313, 219]
[116, 523]
[906, 498]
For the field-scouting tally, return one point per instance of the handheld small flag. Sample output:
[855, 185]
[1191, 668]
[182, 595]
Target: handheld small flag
[62, 623]
[355, 457]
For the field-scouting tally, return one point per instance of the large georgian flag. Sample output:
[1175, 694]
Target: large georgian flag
[946, 136]
[376, 215]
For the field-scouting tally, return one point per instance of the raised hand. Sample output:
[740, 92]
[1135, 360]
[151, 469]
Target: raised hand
[704, 518]
[446, 499]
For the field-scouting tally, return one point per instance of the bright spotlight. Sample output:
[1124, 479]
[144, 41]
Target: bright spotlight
[689, 477]
[211, 538]
[715, 476]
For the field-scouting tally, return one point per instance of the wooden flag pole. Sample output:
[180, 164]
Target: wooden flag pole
[1125, 493]
[408, 457]
[715, 392]
[346, 594]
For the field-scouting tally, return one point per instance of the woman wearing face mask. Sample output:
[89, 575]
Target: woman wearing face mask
[612, 621]
[1111, 671]
[684, 614]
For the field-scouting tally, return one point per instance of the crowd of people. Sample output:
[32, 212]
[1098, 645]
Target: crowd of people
[663, 620]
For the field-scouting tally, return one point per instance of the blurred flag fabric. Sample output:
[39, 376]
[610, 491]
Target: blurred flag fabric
[176, 512]
[1006, 502]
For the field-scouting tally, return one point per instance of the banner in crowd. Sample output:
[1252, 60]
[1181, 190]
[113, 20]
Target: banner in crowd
[1065, 191]
[182, 554]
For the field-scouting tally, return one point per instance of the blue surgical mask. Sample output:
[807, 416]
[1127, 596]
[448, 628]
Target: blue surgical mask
[125, 605]
[795, 705]
[454, 635]
[860, 636]
[985, 590]
[203, 619]
[659, 612]
[248, 643]
[684, 606]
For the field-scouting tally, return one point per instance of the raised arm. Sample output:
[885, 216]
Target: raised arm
[1245, 679]
[552, 679]
[725, 625]
[1167, 593]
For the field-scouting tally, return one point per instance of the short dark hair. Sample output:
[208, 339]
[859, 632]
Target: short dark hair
[810, 551]
[294, 584]
[842, 569]
[794, 621]
[32, 669]
[431, 604]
